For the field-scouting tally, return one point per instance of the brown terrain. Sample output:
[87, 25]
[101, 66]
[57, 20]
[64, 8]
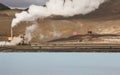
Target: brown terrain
[105, 20]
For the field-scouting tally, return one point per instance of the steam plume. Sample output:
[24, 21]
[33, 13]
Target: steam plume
[15, 41]
[29, 31]
[64, 8]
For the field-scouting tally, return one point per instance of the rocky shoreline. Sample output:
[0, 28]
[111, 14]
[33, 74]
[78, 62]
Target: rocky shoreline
[61, 49]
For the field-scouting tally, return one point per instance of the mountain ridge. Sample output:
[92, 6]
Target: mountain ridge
[3, 7]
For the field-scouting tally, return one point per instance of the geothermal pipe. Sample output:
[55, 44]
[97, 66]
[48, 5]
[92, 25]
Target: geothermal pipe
[11, 33]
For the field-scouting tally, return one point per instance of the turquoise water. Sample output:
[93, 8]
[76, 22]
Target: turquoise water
[59, 64]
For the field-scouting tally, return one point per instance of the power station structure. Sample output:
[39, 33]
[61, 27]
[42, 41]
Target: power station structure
[75, 39]
[22, 36]
[90, 42]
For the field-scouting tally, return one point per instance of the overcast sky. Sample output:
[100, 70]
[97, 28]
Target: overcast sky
[22, 3]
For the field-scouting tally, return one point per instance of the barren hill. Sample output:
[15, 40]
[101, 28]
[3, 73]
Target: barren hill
[105, 20]
[111, 7]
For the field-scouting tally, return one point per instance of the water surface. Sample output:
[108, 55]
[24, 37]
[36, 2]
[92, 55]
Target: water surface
[59, 64]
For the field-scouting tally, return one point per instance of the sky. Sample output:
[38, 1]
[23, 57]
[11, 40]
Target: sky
[22, 3]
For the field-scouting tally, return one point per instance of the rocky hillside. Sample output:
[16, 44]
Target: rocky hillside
[105, 20]
[108, 9]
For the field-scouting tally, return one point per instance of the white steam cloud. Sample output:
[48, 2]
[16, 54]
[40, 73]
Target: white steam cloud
[15, 41]
[64, 8]
[29, 31]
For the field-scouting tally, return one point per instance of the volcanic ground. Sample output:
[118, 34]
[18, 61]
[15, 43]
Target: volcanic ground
[105, 20]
